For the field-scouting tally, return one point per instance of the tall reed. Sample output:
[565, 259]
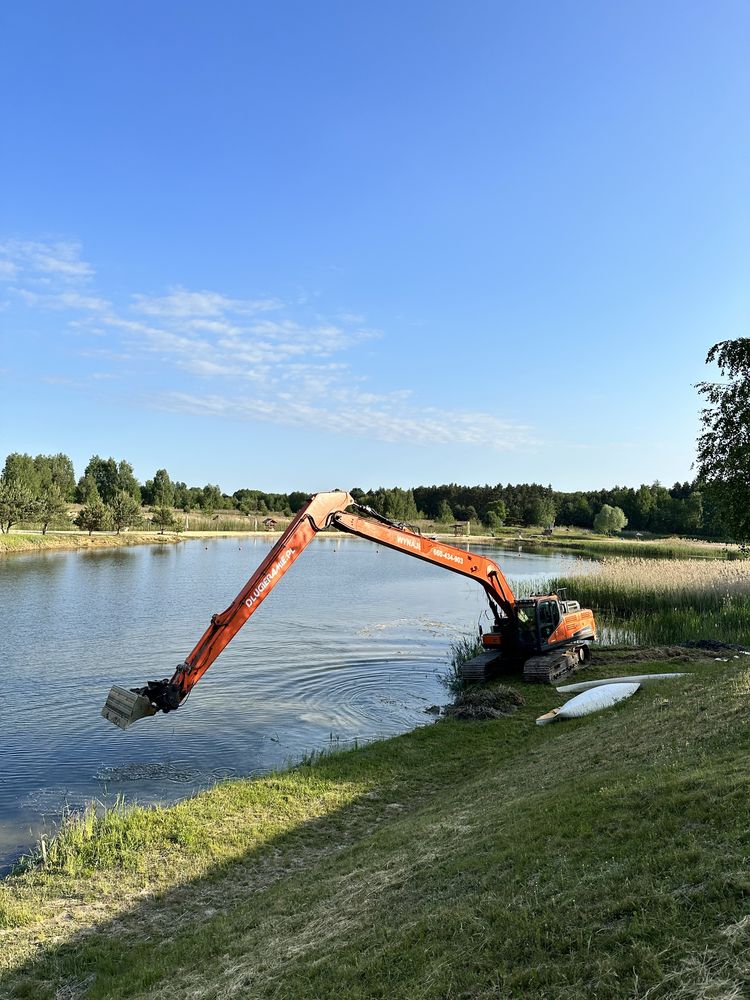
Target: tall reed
[671, 602]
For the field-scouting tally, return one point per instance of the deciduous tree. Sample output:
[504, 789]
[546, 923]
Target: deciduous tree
[210, 500]
[57, 469]
[87, 492]
[445, 514]
[610, 520]
[540, 510]
[724, 443]
[104, 473]
[111, 476]
[126, 480]
[163, 489]
[20, 468]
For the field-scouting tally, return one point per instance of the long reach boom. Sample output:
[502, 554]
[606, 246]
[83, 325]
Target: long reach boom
[322, 510]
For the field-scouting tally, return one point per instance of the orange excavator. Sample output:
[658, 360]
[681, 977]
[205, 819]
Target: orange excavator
[544, 635]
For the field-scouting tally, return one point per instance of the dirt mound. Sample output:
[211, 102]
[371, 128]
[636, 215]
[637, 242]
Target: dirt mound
[714, 646]
[484, 703]
[686, 652]
[645, 654]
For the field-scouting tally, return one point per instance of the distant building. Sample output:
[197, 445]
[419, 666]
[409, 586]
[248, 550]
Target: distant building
[269, 522]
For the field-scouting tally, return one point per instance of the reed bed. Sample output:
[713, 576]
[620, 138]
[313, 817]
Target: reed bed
[641, 584]
[657, 548]
[683, 600]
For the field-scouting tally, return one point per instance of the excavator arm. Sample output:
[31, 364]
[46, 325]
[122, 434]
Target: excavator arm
[123, 707]
[403, 539]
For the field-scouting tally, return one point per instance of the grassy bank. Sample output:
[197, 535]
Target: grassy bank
[581, 542]
[605, 858]
[588, 543]
[36, 542]
[668, 603]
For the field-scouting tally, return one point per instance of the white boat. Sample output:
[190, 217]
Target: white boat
[635, 679]
[593, 700]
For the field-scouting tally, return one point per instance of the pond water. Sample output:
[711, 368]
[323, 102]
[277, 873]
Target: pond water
[350, 646]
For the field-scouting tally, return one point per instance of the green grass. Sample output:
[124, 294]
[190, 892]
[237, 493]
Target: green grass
[23, 542]
[730, 624]
[585, 542]
[590, 544]
[604, 858]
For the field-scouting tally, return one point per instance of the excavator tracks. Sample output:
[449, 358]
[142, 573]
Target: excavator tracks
[546, 668]
[549, 668]
[479, 668]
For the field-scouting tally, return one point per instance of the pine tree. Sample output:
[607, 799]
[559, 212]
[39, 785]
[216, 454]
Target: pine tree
[50, 506]
[92, 517]
[124, 511]
[163, 518]
[16, 502]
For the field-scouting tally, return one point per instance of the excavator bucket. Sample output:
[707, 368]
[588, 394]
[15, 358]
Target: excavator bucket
[124, 707]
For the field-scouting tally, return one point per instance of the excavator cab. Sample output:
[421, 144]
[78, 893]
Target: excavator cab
[561, 632]
[545, 621]
[550, 637]
[526, 636]
[537, 619]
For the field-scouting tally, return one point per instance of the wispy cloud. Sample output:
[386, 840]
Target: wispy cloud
[63, 300]
[418, 426]
[255, 358]
[232, 342]
[33, 260]
[180, 303]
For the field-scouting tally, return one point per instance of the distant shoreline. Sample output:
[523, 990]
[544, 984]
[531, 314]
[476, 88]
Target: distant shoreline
[584, 547]
[61, 541]
[53, 541]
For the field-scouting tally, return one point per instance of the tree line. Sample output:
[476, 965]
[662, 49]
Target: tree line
[39, 488]
[684, 508]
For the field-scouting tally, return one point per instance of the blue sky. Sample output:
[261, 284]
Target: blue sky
[314, 245]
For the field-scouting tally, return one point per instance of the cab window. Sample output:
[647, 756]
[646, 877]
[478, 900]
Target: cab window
[526, 620]
[549, 618]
